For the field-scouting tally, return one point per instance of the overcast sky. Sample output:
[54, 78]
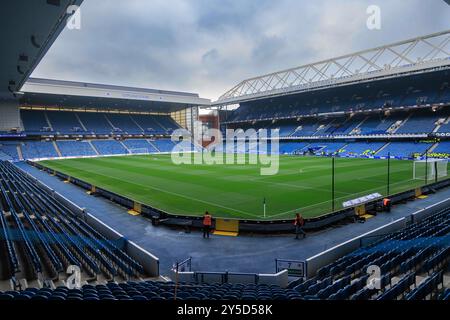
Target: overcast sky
[208, 46]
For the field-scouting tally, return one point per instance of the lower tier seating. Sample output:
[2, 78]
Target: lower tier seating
[42, 237]
[413, 262]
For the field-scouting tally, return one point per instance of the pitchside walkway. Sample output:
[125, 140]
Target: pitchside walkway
[238, 254]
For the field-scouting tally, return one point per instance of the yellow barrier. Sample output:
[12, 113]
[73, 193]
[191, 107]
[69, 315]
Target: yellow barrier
[226, 227]
[137, 207]
[418, 192]
[360, 210]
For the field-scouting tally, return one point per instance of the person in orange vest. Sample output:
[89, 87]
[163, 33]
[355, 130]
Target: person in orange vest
[207, 223]
[299, 223]
[387, 204]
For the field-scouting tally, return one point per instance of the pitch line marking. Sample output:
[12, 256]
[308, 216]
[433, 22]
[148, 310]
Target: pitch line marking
[178, 194]
[317, 204]
[297, 186]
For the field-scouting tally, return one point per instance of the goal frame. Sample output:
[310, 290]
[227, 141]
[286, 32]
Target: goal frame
[139, 151]
[430, 169]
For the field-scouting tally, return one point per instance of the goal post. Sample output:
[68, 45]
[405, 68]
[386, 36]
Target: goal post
[139, 151]
[430, 169]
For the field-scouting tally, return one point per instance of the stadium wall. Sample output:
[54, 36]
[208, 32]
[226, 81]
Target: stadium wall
[10, 118]
[280, 279]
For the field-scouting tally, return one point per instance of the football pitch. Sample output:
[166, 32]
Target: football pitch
[303, 184]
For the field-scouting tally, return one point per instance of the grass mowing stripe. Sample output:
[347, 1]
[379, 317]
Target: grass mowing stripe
[237, 191]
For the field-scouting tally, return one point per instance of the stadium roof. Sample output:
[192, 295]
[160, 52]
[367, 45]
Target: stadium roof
[77, 95]
[422, 54]
[28, 30]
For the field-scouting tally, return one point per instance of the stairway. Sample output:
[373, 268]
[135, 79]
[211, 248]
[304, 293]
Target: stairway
[397, 125]
[19, 152]
[154, 145]
[48, 121]
[92, 146]
[81, 122]
[356, 129]
[126, 148]
[434, 146]
[137, 124]
[383, 147]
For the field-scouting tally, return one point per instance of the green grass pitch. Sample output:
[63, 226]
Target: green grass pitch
[303, 184]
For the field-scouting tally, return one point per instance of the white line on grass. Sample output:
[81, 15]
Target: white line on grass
[320, 203]
[177, 194]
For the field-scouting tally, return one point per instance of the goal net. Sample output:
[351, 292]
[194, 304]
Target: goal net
[430, 169]
[139, 151]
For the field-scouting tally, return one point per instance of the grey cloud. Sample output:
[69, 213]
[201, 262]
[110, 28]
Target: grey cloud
[207, 46]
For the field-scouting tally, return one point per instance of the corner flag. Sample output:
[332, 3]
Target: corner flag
[264, 204]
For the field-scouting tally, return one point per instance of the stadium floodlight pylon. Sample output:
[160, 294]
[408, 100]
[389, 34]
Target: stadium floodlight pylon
[404, 57]
[430, 169]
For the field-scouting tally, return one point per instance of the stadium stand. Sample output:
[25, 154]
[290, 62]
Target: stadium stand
[163, 145]
[38, 149]
[443, 147]
[123, 124]
[404, 149]
[412, 261]
[95, 122]
[420, 122]
[9, 149]
[378, 124]
[139, 144]
[149, 124]
[49, 236]
[156, 291]
[64, 122]
[35, 122]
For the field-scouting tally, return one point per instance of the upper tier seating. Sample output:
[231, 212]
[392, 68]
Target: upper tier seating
[421, 122]
[64, 122]
[123, 123]
[445, 127]
[167, 123]
[38, 149]
[109, 147]
[379, 125]
[149, 124]
[42, 234]
[75, 148]
[35, 121]
[95, 122]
